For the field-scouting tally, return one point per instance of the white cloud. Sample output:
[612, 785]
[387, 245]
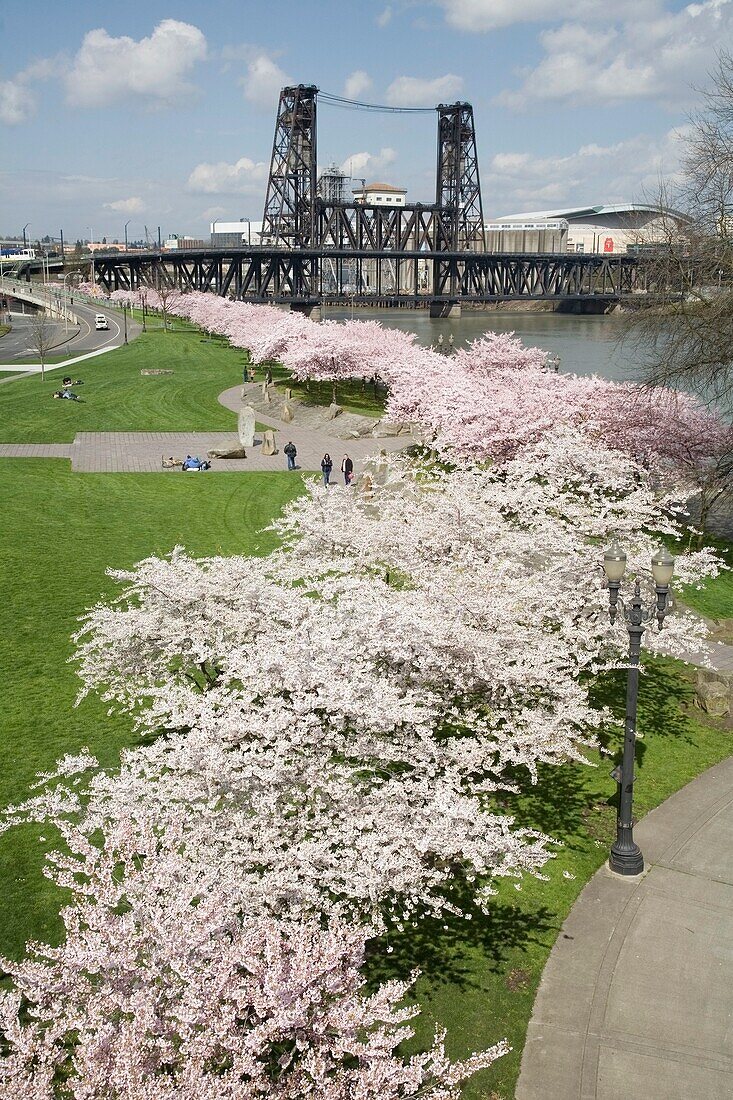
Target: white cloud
[626, 171]
[17, 98]
[368, 165]
[212, 213]
[655, 54]
[476, 16]
[263, 81]
[245, 176]
[109, 70]
[384, 17]
[411, 91]
[356, 84]
[133, 205]
[17, 103]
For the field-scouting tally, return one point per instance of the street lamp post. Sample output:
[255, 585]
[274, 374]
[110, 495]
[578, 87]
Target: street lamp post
[625, 857]
[25, 243]
[126, 225]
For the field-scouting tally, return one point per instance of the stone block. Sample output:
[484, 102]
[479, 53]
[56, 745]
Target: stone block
[286, 413]
[385, 428]
[333, 411]
[246, 426]
[228, 452]
[268, 443]
[714, 692]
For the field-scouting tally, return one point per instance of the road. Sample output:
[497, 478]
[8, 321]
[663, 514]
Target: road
[69, 340]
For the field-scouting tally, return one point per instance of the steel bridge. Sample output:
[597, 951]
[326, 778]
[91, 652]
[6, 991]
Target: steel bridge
[306, 277]
[316, 250]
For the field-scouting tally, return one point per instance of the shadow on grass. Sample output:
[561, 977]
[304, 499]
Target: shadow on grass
[445, 948]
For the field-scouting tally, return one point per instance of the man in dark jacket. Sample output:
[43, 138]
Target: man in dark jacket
[347, 469]
[290, 451]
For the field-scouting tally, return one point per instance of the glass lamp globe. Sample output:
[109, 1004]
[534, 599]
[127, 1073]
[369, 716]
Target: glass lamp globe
[662, 567]
[614, 562]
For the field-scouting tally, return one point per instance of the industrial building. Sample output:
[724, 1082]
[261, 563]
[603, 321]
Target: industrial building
[238, 234]
[604, 229]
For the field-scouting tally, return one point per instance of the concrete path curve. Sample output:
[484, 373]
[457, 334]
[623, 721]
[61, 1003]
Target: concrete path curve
[636, 1000]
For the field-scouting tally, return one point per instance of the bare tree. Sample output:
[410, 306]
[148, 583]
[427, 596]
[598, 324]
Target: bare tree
[683, 326]
[167, 294]
[42, 337]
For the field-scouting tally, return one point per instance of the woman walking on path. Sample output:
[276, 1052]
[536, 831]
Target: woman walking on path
[326, 467]
[347, 469]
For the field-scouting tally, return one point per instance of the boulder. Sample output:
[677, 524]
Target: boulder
[268, 443]
[286, 413]
[385, 428]
[246, 426]
[714, 692]
[333, 411]
[228, 452]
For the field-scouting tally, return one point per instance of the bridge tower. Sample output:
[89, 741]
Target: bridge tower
[458, 198]
[289, 217]
[458, 190]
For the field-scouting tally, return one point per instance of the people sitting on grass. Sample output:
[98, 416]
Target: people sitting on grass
[68, 381]
[67, 394]
[195, 463]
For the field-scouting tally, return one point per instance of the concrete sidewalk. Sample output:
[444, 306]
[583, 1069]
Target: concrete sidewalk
[636, 1001]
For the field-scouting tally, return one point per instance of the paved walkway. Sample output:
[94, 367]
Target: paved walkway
[143, 452]
[636, 1001]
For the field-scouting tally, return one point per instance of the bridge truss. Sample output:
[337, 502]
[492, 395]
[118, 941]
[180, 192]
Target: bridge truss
[309, 276]
[313, 250]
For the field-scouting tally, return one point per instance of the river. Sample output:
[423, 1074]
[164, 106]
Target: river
[583, 344]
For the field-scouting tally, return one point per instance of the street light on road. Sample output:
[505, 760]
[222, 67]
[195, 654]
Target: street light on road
[25, 243]
[126, 225]
[625, 857]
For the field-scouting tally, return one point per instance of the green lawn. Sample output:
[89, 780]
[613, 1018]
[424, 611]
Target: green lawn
[353, 396]
[480, 976]
[715, 598]
[60, 532]
[116, 397]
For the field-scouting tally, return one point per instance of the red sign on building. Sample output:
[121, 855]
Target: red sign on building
[608, 244]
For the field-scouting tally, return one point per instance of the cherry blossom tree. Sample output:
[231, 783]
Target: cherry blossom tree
[168, 993]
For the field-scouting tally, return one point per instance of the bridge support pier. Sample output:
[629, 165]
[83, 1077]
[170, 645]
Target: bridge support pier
[312, 311]
[445, 309]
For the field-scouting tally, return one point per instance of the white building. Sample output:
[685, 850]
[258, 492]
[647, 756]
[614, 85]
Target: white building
[380, 194]
[238, 234]
[605, 229]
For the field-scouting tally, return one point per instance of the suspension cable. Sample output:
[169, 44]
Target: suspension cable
[356, 105]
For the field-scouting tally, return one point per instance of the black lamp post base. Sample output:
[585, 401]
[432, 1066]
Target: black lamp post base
[626, 860]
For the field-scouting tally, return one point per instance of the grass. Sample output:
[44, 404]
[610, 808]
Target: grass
[353, 396]
[61, 531]
[116, 397]
[480, 977]
[715, 598]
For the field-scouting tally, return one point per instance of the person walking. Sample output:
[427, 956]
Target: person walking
[290, 451]
[326, 467]
[347, 469]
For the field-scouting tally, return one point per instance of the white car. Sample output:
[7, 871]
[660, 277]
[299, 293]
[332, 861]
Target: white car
[100, 321]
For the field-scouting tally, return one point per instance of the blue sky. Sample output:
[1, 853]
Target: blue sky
[163, 113]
